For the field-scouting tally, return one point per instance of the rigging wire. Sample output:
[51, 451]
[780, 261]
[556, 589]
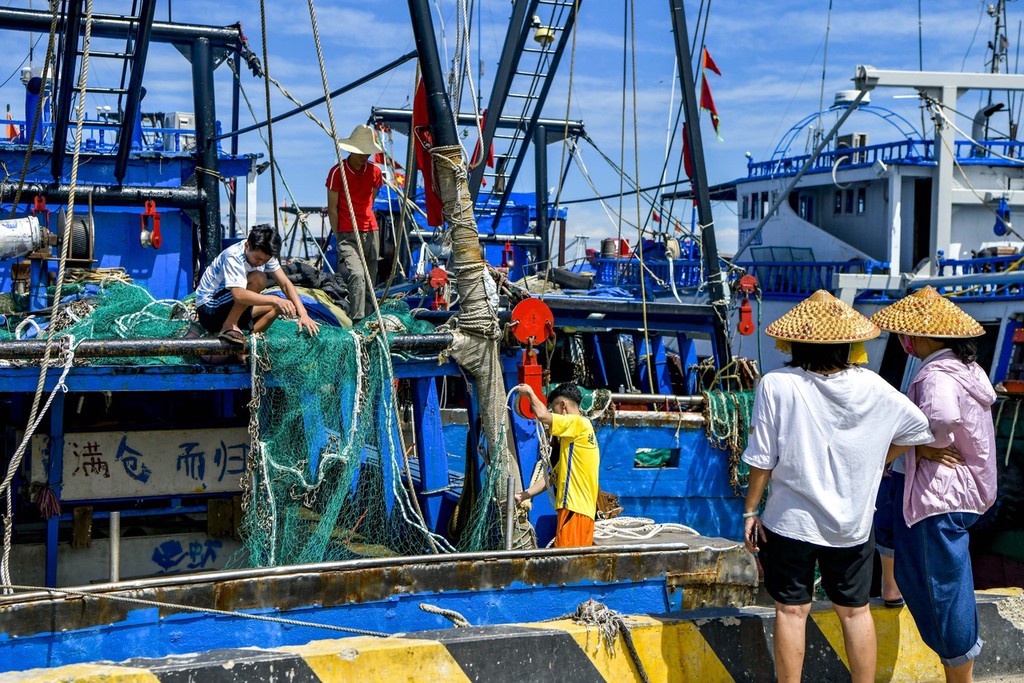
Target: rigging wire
[270, 125]
[824, 66]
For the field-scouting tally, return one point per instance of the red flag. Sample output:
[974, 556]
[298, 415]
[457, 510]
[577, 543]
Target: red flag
[656, 216]
[12, 130]
[476, 150]
[708, 104]
[687, 155]
[423, 142]
[708, 63]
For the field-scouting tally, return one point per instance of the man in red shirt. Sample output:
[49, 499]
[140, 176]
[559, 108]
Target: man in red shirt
[363, 179]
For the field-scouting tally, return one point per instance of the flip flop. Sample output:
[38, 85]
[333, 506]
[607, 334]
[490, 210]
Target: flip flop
[894, 604]
[232, 336]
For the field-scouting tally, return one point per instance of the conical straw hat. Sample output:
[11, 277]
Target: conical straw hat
[926, 313]
[822, 319]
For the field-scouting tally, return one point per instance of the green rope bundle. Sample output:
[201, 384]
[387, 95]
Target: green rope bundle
[727, 423]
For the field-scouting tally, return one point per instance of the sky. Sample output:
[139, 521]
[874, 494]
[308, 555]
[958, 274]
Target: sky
[772, 55]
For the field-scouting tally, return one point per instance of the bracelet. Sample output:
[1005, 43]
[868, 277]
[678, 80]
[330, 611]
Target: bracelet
[748, 515]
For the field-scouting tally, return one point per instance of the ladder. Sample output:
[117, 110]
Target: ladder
[128, 93]
[537, 35]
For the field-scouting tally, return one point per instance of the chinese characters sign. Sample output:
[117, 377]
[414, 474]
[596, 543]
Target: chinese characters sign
[101, 465]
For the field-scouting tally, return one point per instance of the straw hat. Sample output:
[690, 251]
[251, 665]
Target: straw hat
[926, 313]
[362, 141]
[822, 319]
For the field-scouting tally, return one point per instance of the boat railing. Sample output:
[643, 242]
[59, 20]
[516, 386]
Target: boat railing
[979, 278]
[101, 138]
[798, 279]
[778, 279]
[907, 152]
[904, 152]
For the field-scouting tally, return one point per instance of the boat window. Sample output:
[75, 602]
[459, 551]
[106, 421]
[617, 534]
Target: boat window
[837, 207]
[651, 458]
[862, 200]
[807, 208]
[849, 201]
[746, 206]
[764, 205]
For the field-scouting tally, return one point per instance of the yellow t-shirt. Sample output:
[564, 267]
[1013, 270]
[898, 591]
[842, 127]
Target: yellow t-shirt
[577, 466]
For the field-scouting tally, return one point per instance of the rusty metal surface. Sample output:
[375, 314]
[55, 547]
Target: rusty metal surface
[708, 567]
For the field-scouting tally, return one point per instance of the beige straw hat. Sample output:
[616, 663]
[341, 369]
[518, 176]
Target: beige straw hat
[362, 141]
[926, 313]
[822, 319]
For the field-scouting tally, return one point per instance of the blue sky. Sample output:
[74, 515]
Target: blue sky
[771, 55]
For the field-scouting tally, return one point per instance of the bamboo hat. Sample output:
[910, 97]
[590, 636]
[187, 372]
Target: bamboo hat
[926, 313]
[362, 141]
[822, 319]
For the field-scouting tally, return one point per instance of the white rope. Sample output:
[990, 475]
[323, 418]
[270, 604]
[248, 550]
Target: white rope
[451, 615]
[637, 529]
[341, 163]
[36, 416]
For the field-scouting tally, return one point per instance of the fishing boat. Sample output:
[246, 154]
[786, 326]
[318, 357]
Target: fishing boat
[360, 481]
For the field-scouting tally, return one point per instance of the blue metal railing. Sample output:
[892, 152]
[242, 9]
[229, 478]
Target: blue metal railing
[907, 152]
[778, 279]
[101, 139]
[973, 289]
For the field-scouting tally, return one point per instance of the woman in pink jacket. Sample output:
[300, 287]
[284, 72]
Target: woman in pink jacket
[947, 485]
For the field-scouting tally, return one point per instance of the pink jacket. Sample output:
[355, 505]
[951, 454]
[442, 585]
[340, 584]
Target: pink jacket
[957, 400]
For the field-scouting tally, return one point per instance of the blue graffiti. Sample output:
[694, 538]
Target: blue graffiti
[230, 463]
[203, 553]
[130, 459]
[193, 462]
[169, 554]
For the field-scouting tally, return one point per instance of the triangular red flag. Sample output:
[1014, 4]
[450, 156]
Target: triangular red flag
[708, 104]
[656, 216]
[709, 63]
[687, 156]
[422, 140]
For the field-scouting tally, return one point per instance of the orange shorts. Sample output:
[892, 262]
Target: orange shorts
[573, 530]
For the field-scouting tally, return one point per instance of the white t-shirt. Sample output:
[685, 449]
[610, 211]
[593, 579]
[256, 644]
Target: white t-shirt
[229, 269]
[825, 438]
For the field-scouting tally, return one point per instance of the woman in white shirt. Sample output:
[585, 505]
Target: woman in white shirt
[822, 431]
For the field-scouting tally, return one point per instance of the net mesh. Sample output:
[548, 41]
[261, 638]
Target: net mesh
[329, 476]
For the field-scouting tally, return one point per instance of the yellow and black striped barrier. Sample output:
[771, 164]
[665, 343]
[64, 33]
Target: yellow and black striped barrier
[708, 645]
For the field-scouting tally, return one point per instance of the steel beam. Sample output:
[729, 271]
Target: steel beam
[111, 195]
[65, 88]
[133, 102]
[123, 348]
[540, 153]
[399, 120]
[717, 289]
[110, 26]
[508, 64]
[206, 148]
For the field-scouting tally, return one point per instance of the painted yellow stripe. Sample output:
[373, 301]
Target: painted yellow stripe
[902, 656]
[379, 659]
[669, 650]
[82, 673]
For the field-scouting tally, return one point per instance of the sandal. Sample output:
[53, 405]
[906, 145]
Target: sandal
[232, 336]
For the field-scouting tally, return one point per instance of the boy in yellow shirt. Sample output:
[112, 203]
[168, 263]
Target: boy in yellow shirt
[577, 467]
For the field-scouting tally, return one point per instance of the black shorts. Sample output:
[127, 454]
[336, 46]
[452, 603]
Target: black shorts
[212, 316]
[788, 566]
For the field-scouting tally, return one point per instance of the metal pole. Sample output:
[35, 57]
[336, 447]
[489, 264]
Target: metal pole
[717, 288]
[117, 348]
[657, 398]
[540, 150]
[515, 38]
[133, 102]
[439, 107]
[510, 511]
[110, 195]
[236, 87]
[206, 148]
[115, 547]
[65, 88]
[110, 26]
